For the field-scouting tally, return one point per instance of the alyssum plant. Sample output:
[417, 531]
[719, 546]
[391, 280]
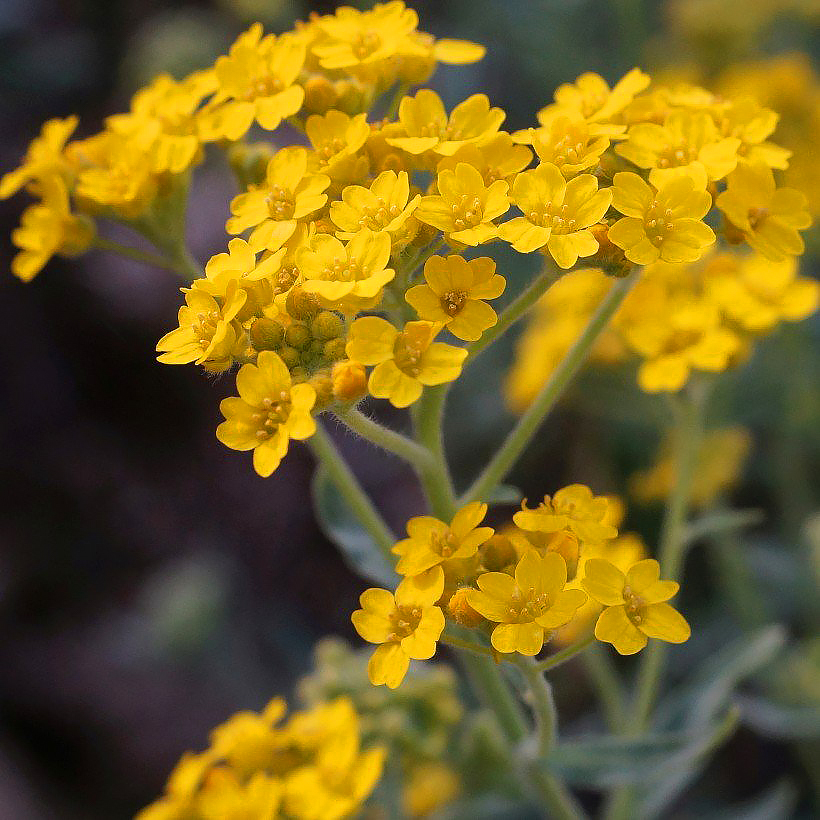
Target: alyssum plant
[358, 267]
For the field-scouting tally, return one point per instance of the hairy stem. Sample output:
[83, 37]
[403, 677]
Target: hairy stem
[522, 434]
[565, 654]
[435, 478]
[137, 254]
[342, 476]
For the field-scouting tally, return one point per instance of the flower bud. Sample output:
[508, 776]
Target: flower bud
[290, 356]
[323, 385]
[334, 349]
[497, 553]
[609, 256]
[301, 305]
[326, 325]
[320, 94]
[298, 335]
[349, 380]
[266, 334]
[461, 611]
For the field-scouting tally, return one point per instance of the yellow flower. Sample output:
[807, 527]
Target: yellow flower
[228, 798]
[44, 157]
[751, 123]
[454, 292]
[573, 508]
[336, 138]
[660, 223]
[535, 601]
[384, 206]
[48, 228]
[428, 128]
[347, 277]
[636, 607]
[208, 333]
[290, 193]
[430, 786]
[570, 143]
[687, 139]
[358, 41]
[255, 82]
[769, 217]
[407, 625]
[465, 207]
[591, 97]
[497, 157]
[405, 361]
[268, 412]
[677, 341]
[432, 542]
[557, 214]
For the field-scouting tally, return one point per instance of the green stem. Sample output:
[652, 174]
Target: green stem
[435, 478]
[386, 439]
[556, 796]
[459, 643]
[608, 687]
[342, 476]
[513, 312]
[146, 257]
[527, 426]
[565, 654]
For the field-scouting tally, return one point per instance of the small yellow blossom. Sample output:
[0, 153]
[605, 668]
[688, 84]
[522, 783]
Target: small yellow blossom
[44, 157]
[384, 206]
[350, 276]
[557, 214]
[526, 606]
[574, 508]
[208, 333]
[592, 99]
[406, 624]
[636, 607]
[336, 138]
[430, 787]
[48, 228]
[746, 119]
[570, 143]
[662, 223]
[290, 193]
[454, 292]
[687, 140]
[432, 542]
[268, 412]
[405, 361]
[428, 128]
[769, 217]
[497, 157]
[465, 206]
[255, 82]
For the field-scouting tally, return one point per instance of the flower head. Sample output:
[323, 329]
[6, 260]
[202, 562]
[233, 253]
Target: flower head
[768, 217]
[465, 206]
[526, 606]
[660, 223]
[268, 412]
[557, 214]
[406, 624]
[635, 602]
[406, 361]
[454, 292]
[432, 542]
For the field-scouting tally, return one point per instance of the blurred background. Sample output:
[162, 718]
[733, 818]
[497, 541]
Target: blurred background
[150, 583]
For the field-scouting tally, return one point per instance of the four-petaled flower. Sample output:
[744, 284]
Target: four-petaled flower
[635, 602]
[406, 624]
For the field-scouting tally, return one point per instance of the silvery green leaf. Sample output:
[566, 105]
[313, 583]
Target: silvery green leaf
[506, 494]
[780, 720]
[776, 803]
[338, 523]
[725, 521]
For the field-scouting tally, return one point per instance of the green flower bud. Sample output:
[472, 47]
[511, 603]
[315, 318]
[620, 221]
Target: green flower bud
[267, 334]
[327, 325]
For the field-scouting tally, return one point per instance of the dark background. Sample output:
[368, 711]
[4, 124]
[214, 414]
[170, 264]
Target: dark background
[150, 583]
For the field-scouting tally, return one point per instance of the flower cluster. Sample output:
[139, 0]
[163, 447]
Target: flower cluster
[356, 267]
[312, 766]
[520, 587]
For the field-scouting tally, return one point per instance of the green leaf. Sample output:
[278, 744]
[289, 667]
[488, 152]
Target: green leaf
[726, 521]
[709, 689]
[604, 762]
[778, 720]
[774, 803]
[339, 524]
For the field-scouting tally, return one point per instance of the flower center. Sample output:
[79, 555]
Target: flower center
[553, 216]
[757, 216]
[345, 270]
[379, 215]
[673, 156]
[205, 327]
[265, 86]
[271, 413]
[444, 544]
[633, 605]
[467, 212]
[281, 203]
[658, 223]
[569, 149]
[407, 355]
[526, 605]
[452, 302]
[329, 148]
[365, 44]
[403, 622]
[285, 279]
